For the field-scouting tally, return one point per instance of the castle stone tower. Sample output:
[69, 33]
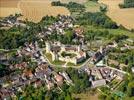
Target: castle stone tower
[79, 48]
[54, 56]
[48, 47]
[101, 49]
[63, 48]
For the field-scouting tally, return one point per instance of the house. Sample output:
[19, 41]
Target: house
[15, 78]
[22, 65]
[27, 74]
[59, 79]
[37, 83]
[132, 69]
[112, 45]
[67, 78]
[49, 85]
[98, 83]
[5, 94]
[79, 32]
[3, 56]
[97, 57]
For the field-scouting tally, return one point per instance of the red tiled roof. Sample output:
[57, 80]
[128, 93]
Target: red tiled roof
[81, 53]
[59, 78]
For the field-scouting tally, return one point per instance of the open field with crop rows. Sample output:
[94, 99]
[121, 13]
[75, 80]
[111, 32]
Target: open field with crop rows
[33, 10]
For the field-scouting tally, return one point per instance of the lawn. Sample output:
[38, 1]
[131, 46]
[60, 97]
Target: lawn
[65, 54]
[121, 31]
[92, 6]
[112, 31]
[58, 62]
[70, 64]
[88, 95]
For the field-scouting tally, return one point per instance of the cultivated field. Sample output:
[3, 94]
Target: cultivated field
[9, 3]
[33, 10]
[121, 16]
[8, 7]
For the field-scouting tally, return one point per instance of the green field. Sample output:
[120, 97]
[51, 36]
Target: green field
[92, 6]
[112, 31]
[65, 54]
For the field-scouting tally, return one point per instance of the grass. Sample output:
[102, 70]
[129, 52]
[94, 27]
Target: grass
[112, 31]
[71, 55]
[121, 31]
[88, 95]
[92, 6]
[70, 64]
[57, 62]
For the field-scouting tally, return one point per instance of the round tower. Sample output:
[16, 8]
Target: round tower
[48, 47]
[54, 56]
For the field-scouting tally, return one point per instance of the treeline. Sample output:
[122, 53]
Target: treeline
[72, 6]
[97, 19]
[127, 4]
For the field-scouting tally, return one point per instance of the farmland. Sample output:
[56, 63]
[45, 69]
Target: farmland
[9, 3]
[8, 7]
[30, 9]
[121, 16]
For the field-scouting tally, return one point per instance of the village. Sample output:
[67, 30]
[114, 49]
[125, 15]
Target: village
[94, 63]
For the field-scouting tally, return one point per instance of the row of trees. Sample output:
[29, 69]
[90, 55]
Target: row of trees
[97, 19]
[127, 4]
[72, 6]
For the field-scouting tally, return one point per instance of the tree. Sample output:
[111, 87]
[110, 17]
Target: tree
[103, 8]
[130, 89]
[102, 97]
